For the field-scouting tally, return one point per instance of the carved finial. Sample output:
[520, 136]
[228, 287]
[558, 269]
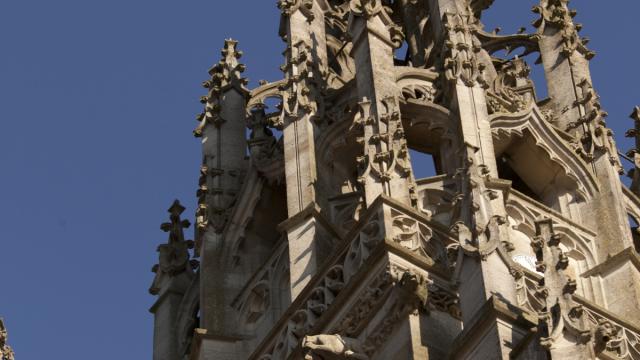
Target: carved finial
[366, 8]
[6, 353]
[174, 255]
[289, 7]
[557, 14]
[225, 75]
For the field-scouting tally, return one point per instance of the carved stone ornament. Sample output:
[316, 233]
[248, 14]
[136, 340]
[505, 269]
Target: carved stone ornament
[561, 316]
[225, 75]
[612, 337]
[332, 347]
[300, 93]
[289, 7]
[556, 13]
[461, 46]
[366, 8]
[512, 91]
[386, 155]
[596, 135]
[174, 255]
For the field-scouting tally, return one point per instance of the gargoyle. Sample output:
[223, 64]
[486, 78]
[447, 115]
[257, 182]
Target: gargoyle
[332, 347]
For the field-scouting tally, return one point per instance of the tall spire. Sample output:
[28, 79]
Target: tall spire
[224, 147]
[225, 75]
[174, 274]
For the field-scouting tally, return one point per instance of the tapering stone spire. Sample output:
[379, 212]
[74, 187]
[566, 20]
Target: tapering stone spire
[174, 274]
[577, 111]
[566, 61]
[224, 149]
[215, 193]
[556, 13]
[6, 353]
[226, 74]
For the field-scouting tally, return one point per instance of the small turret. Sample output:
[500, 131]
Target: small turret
[174, 273]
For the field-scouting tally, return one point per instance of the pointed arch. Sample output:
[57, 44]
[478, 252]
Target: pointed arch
[532, 123]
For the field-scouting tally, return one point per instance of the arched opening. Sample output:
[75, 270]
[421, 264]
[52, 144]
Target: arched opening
[533, 173]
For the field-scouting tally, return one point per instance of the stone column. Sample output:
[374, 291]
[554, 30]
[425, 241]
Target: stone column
[577, 106]
[385, 168]
[485, 273]
[174, 273]
[306, 61]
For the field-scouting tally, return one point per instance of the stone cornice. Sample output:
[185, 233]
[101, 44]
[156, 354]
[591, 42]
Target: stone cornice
[615, 262]
[201, 334]
[495, 308]
[312, 210]
[606, 313]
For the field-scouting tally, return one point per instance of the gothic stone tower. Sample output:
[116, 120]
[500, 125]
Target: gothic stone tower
[323, 244]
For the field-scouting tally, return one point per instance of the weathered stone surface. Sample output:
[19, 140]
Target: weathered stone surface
[322, 244]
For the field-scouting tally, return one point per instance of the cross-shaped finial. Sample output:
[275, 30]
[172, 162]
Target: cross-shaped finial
[174, 228]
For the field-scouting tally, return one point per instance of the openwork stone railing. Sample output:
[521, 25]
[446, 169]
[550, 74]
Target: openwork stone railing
[623, 338]
[614, 338]
[385, 226]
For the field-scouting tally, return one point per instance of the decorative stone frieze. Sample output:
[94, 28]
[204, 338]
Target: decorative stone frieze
[460, 49]
[386, 155]
[300, 92]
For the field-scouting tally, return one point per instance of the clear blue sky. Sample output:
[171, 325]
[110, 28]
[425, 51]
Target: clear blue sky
[98, 101]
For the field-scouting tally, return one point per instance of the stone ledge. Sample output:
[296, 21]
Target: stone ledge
[614, 262]
[493, 309]
[200, 335]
